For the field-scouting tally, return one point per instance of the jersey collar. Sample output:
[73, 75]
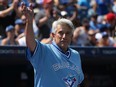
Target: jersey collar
[67, 53]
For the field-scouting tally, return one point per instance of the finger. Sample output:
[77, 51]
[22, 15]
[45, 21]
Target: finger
[22, 4]
[15, 2]
[23, 7]
[31, 6]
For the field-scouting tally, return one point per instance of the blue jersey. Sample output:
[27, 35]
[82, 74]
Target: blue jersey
[52, 68]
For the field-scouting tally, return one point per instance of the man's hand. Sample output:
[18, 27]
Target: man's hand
[27, 11]
[15, 3]
[29, 14]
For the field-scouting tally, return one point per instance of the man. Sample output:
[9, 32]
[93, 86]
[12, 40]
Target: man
[111, 21]
[7, 15]
[55, 65]
[80, 34]
[10, 39]
[44, 18]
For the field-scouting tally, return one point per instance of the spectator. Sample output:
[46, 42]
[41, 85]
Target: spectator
[19, 27]
[7, 15]
[80, 35]
[47, 40]
[93, 8]
[104, 28]
[10, 39]
[21, 40]
[83, 6]
[93, 22]
[72, 11]
[50, 39]
[35, 28]
[44, 19]
[111, 20]
[20, 24]
[101, 22]
[102, 8]
[91, 38]
[68, 9]
[106, 40]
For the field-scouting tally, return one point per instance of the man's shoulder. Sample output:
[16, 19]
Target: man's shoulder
[74, 51]
[45, 45]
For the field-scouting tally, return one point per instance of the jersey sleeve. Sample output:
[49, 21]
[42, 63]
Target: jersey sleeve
[38, 56]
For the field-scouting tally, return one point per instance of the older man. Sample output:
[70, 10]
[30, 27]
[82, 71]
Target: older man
[55, 65]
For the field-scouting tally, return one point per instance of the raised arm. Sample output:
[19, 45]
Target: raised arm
[30, 39]
[8, 10]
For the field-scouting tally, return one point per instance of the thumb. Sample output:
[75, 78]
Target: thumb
[22, 4]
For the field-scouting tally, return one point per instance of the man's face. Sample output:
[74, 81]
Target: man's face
[11, 33]
[63, 36]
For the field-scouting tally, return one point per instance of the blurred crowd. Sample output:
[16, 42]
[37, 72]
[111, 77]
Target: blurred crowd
[94, 21]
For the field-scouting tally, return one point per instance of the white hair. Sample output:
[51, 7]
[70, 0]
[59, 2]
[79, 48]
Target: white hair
[61, 21]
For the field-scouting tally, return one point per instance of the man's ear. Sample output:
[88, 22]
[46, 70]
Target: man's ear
[53, 35]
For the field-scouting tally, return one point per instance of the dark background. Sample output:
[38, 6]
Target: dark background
[99, 66]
